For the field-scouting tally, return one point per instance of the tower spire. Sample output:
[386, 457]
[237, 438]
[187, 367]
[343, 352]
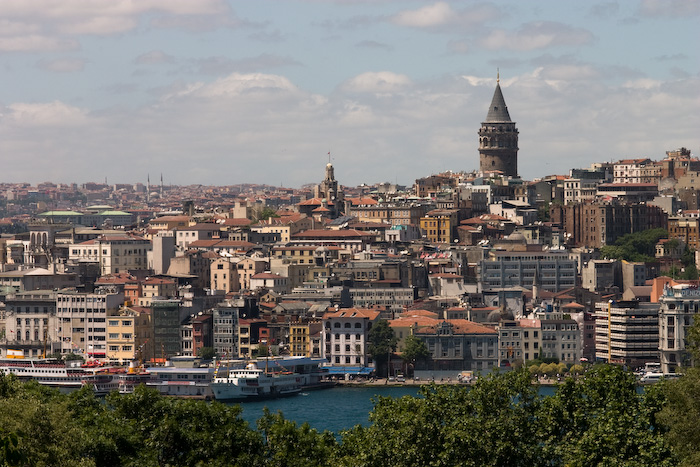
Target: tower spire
[498, 75]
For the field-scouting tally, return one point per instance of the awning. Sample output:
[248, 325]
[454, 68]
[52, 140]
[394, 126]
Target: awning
[349, 370]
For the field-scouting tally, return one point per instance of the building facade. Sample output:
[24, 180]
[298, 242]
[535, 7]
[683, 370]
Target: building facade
[555, 271]
[627, 332]
[345, 333]
[679, 306]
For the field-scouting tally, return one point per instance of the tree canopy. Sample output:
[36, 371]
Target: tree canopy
[639, 246]
[414, 350]
[599, 419]
[381, 342]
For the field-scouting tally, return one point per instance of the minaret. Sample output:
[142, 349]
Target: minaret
[536, 287]
[498, 138]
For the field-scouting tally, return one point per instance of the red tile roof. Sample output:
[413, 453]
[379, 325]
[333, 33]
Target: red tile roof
[352, 313]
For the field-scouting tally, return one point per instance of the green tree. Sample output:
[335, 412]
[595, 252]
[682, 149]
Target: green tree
[601, 419]
[265, 213]
[690, 273]
[414, 351]
[381, 343]
[290, 445]
[639, 246]
[491, 424]
[207, 353]
[263, 350]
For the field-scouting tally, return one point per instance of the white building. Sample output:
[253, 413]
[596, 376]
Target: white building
[679, 305]
[114, 253]
[345, 334]
[561, 339]
[554, 269]
[82, 326]
[30, 323]
[186, 235]
[578, 189]
[269, 281]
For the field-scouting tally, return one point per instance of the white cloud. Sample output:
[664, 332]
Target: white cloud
[238, 84]
[34, 42]
[379, 126]
[51, 114]
[47, 25]
[428, 16]
[442, 14]
[377, 82]
[673, 8]
[537, 35]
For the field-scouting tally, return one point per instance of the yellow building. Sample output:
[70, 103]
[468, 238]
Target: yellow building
[300, 338]
[121, 336]
[440, 225]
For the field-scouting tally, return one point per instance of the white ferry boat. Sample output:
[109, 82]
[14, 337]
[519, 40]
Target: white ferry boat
[135, 375]
[652, 373]
[102, 383]
[46, 371]
[182, 382]
[250, 383]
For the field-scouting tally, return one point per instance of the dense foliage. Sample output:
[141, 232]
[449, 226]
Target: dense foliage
[640, 246]
[381, 342]
[599, 419]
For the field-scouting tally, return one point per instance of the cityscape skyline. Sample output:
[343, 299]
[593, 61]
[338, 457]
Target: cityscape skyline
[223, 93]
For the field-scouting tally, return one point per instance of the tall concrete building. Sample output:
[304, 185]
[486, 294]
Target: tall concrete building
[498, 138]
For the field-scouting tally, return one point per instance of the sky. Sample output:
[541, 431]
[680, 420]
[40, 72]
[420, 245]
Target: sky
[221, 92]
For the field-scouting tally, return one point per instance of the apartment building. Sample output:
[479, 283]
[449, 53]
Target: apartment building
[345, 333]
[82, 320]
[627, 332]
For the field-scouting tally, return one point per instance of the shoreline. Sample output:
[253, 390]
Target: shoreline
[384, 382]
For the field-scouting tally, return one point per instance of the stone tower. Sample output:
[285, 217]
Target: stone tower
[330, 193]
[498, 138]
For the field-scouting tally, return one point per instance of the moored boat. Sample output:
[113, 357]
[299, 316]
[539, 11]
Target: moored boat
[102, 383]
[251, 383]
[134, 376]
[182, 382]
[46, 371]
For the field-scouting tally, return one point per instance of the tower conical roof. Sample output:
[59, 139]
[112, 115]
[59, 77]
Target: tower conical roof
[498, 112]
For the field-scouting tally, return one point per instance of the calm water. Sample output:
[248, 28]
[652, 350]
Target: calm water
[335, 409]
